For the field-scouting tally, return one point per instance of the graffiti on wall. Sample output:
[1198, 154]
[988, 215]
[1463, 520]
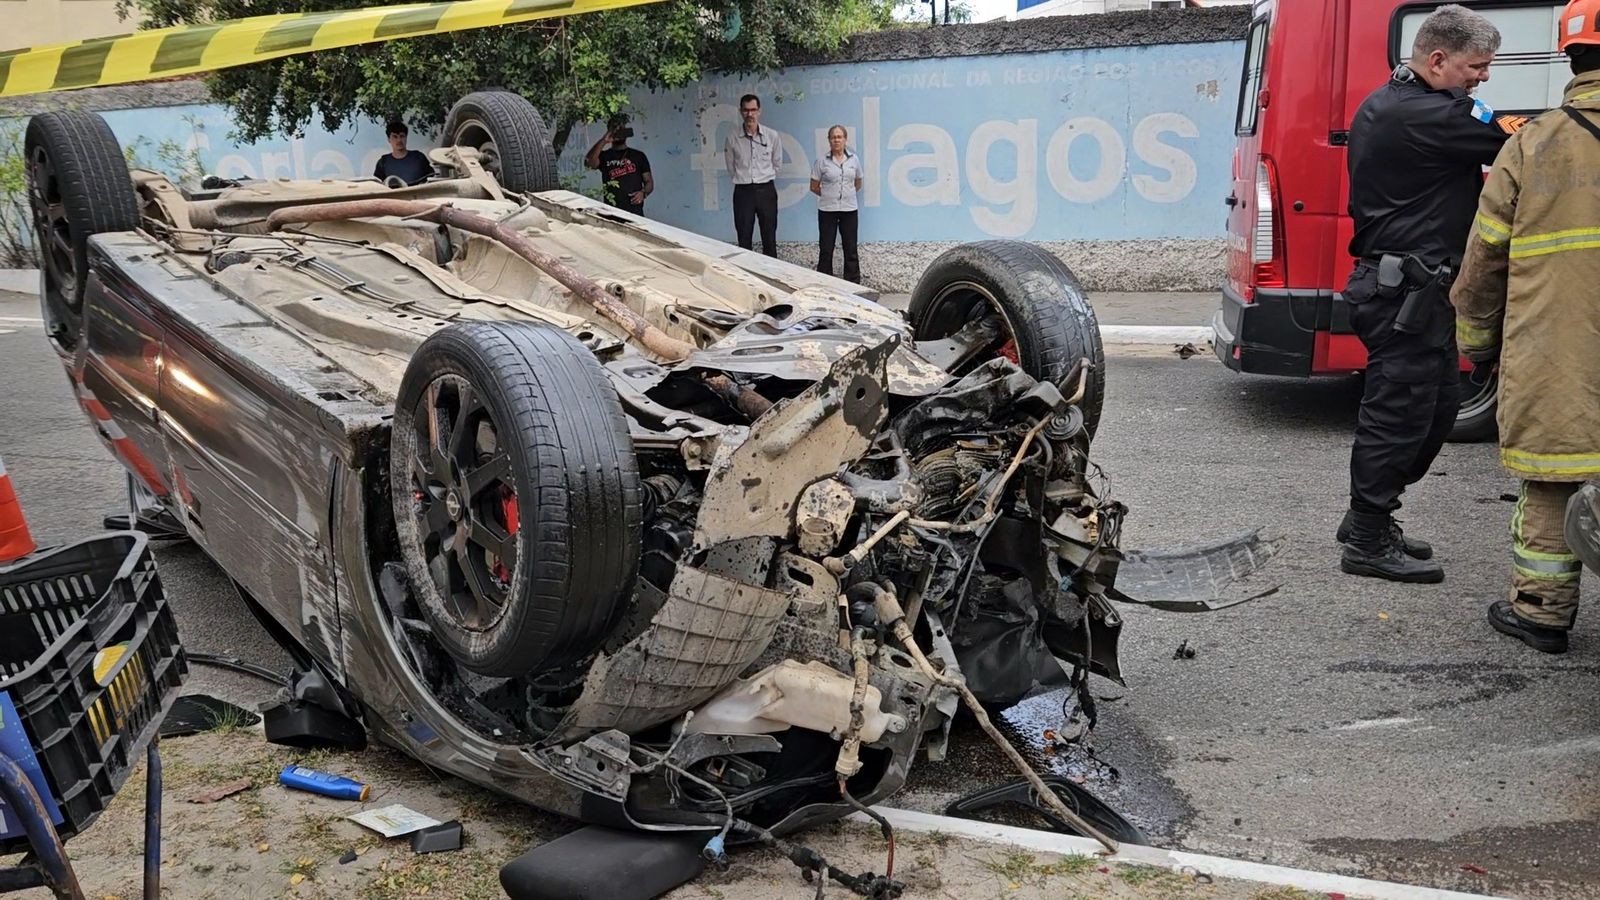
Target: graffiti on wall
[1101, 144]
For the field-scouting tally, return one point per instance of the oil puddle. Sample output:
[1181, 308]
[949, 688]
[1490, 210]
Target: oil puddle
[1118, 763]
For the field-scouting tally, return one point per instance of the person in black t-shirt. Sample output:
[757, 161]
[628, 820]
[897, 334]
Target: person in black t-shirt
[409, 166]
[626, 171]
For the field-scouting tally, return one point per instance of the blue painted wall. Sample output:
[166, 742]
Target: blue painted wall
[1098, 144]
[207, 130]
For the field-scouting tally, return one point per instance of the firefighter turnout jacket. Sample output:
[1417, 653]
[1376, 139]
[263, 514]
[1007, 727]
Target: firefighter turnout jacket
[1529, 289]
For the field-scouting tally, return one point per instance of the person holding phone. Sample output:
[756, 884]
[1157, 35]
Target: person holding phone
[626, 171]
[836, 179]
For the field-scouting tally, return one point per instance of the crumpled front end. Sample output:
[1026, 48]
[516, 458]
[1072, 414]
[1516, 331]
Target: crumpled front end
[755, 679]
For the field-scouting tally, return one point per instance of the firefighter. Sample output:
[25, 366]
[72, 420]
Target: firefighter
[1418, 145]
[1527, 299]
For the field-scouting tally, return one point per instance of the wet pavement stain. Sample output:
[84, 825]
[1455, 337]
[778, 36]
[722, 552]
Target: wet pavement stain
[1486, 682]
[1553, 860]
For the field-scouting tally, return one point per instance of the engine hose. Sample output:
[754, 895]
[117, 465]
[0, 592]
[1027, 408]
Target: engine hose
[874, 815]
[890, 613]
[849, 761]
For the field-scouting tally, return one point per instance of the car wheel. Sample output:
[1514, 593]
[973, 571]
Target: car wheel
[508, 132]
[516, 495]
[1047, 324]
[1475, 421]
[78, 185]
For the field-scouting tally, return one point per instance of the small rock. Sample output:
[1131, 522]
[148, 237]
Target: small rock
[296, 878]
[263, 847]
[349, 857]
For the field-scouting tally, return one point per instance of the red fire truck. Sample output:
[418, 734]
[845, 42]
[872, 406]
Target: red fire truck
[1308, 64]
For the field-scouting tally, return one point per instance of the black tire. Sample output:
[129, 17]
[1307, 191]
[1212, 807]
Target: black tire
[1046, 311]
[1476, 422]
[78, 185]
[557, 454]
[508, 131]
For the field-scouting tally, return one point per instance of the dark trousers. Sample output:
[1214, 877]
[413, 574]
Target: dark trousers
[752, 202]
[842, 224]
[1412, 395]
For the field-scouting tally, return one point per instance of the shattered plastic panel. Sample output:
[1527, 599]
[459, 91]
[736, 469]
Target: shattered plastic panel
[705, 635]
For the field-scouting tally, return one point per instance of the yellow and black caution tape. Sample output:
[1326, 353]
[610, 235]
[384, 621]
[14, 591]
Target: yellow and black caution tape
[186, 49]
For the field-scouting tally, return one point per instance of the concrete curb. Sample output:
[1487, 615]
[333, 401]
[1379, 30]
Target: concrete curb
[1175, 860]
[1155, 334]
[21, 281]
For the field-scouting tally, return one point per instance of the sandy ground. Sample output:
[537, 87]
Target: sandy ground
[269, 841]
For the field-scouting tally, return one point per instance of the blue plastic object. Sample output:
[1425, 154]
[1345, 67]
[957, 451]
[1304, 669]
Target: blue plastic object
[325, 783]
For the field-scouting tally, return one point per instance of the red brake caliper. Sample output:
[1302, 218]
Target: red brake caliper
[1009, 351]
[508, 507]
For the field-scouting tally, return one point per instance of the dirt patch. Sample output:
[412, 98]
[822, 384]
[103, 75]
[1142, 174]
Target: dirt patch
[269, 841]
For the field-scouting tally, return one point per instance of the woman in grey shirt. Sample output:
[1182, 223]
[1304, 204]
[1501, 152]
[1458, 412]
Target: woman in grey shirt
[835, 179]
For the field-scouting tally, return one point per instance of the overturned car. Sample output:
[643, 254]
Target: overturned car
[612, 518]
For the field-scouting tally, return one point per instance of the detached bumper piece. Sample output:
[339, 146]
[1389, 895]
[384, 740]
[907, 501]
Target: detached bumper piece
[597, 863]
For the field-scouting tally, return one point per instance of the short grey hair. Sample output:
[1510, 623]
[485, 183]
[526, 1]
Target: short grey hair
[1455, 29]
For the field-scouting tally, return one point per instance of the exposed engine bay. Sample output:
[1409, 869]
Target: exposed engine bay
[608, 516]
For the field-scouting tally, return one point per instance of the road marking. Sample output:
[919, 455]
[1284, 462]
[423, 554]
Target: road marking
[1176, 860]
[22, 320]
[1155, 334]
[1374, 723]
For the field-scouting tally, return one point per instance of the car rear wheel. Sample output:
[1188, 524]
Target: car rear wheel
[511, 137]
[516, 495]
[78, 185]
[1476, 422]
[1047, 324]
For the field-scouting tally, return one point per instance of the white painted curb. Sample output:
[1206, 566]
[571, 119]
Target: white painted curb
[1176, 860]
[1197, 335]
[21, 281]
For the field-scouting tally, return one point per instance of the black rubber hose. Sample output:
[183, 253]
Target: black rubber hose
[238, 665]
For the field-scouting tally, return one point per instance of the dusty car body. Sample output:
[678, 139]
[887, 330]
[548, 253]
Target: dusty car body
[288, 369]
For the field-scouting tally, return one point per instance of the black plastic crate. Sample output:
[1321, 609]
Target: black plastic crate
[59, 609]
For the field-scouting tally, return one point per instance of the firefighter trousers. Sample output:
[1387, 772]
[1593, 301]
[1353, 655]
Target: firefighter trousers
[1409, 404]
[1544, 570]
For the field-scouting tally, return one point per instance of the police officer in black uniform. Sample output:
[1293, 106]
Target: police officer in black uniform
[1417, 148]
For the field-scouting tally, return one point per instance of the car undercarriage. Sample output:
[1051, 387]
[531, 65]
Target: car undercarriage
[594, 512]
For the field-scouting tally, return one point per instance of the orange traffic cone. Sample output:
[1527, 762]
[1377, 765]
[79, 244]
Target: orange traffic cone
[15, 542]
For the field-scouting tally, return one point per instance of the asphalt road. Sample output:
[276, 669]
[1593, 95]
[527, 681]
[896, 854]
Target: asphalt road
[1341, 723]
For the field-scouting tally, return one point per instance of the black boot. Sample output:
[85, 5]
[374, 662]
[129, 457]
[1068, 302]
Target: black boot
[1374, 551]
[1416, 549]
[1543, 638]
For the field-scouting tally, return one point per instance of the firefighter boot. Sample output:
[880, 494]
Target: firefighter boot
[1374, 551]
[1416, 549]
[1544, 638]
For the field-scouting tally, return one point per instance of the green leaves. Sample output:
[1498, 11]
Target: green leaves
[574, 70]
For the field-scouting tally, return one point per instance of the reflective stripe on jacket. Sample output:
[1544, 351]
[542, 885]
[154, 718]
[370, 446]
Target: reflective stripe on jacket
[1529, 290]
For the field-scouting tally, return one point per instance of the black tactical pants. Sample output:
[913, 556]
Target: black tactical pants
[1412, 395]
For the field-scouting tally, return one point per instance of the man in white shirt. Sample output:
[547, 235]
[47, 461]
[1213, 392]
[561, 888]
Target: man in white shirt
[753, 154]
